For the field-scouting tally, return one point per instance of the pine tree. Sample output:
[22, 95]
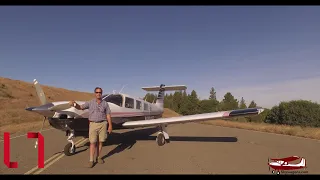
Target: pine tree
[252, 104]
[242, 104]
[213, 95]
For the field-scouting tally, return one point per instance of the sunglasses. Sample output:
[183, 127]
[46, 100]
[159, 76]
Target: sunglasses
[99, 92]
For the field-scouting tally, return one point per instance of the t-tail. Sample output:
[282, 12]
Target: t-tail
[161, 91]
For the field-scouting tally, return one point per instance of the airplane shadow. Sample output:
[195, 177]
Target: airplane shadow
[127, 140]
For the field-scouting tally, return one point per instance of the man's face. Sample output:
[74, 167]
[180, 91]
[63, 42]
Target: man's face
[98, 93]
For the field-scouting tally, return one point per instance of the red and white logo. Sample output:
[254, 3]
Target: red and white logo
[284, 164]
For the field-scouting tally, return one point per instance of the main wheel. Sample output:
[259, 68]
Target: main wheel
[68, 151]
[160, 139]
[278, 172]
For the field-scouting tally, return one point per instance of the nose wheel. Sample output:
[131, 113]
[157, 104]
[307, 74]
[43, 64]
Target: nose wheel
[70, 148]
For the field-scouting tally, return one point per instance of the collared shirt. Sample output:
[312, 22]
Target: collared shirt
[97, 112]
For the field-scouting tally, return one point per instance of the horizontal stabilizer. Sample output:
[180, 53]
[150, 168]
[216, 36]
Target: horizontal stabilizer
[167, 88]
[197, 117]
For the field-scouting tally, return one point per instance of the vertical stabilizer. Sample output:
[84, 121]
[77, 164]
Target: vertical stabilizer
[161, 93]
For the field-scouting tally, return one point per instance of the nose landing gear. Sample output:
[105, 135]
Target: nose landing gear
[70, 148]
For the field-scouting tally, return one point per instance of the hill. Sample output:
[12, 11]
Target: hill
[16, 95]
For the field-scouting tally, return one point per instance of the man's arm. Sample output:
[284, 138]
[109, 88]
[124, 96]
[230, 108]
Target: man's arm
[77, 106]
[108, 112]
[109, 119]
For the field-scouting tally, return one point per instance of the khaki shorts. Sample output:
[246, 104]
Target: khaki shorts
[97, 130]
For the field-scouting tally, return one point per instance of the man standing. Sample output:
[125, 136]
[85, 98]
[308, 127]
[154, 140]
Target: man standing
[99, 113]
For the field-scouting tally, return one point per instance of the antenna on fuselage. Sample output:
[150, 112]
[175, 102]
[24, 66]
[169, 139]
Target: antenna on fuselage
[122, 88]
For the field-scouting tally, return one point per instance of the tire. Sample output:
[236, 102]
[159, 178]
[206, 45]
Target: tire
[67, 150]
[160, 139]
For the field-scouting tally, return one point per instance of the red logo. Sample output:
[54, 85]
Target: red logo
[6, 154]
[284, 164]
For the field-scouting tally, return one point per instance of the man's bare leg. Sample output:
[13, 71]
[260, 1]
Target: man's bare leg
[100, 160]
[92, 151]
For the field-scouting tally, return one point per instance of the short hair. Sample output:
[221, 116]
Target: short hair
[98, 88]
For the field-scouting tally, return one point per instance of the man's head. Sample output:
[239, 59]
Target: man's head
[98, 92]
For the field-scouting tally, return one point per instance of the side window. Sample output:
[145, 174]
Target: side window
[129, 103]
[138, 105]
[146, 107]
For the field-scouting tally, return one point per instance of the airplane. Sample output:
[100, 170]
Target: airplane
[127, 112]
[283, 164]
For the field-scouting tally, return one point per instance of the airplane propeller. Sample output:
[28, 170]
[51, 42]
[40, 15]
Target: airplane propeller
[268, 163]
[60, 107]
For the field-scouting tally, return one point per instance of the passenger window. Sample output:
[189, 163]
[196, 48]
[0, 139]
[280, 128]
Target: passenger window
[138, 104]
[129, 103]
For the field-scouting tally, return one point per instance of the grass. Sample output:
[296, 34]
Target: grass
[16, 95]
[312, 133]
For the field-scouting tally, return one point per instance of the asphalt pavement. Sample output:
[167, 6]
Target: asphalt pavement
[194, 149]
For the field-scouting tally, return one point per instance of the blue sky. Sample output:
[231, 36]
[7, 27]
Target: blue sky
[254, 52]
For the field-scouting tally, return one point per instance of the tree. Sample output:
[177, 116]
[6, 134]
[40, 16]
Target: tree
[298, 112]
[242, 104]
[252, 104]
[208, 106]
[213, 95]
[177, 101]
[229, 102]
[150, 97]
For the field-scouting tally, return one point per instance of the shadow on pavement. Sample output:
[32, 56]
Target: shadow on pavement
[127, 140]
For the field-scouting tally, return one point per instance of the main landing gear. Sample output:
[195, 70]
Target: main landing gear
[163, 136]
[70, 148]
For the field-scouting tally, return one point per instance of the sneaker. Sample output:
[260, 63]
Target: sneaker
[100, 160]
[90, 164]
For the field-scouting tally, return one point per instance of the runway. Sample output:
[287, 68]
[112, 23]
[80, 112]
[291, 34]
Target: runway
[194, 149]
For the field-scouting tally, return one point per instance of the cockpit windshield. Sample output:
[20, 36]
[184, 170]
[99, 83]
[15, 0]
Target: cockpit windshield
[115, 99]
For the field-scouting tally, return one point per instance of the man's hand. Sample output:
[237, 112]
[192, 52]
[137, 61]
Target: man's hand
[109, 129]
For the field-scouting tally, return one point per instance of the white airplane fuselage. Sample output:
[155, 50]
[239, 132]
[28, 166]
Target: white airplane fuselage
[123, 108]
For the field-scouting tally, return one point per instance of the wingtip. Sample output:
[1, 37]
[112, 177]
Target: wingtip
[260, 110]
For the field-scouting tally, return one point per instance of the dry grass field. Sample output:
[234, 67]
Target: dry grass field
[15, 95]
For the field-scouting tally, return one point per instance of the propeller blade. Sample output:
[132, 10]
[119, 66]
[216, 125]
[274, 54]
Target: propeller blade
[60, 107]
[40, 93]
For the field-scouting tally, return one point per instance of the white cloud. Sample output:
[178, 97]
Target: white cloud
[268, 95]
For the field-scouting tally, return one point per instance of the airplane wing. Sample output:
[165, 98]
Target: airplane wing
[287, 159]
[197, 117]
